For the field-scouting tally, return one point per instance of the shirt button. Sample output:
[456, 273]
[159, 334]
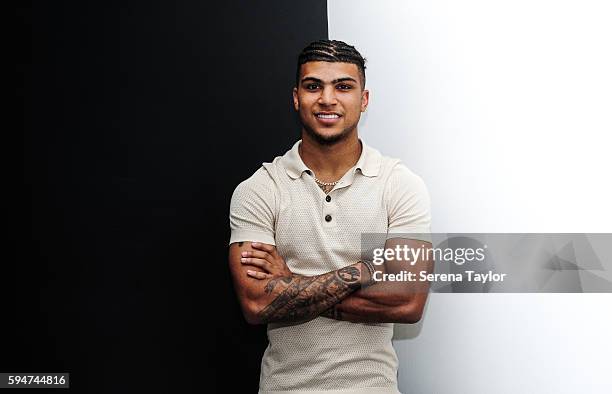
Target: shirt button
[328, 198]
[328, 218]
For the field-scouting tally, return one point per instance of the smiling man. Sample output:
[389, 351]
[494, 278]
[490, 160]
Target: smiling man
[295, 246]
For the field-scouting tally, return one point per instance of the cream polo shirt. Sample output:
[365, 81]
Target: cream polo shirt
[280, 204]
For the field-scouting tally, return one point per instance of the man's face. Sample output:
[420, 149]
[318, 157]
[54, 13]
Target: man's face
[330, 100]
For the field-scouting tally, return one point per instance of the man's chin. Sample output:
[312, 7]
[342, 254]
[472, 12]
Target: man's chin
[327, 138]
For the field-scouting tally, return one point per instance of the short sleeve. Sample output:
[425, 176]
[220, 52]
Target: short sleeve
[252, 210]
[408, 205]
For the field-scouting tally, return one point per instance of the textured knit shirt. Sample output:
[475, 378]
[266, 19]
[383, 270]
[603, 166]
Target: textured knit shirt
[281, 204]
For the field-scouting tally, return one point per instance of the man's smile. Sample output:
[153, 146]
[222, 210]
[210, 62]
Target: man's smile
[327, 117]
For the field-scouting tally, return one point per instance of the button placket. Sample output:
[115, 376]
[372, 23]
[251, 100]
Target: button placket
[329, 211]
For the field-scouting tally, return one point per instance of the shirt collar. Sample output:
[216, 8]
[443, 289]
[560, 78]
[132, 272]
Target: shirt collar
[368, 163]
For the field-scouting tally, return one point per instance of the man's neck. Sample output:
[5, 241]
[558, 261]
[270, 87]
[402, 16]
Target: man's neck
[330, 162]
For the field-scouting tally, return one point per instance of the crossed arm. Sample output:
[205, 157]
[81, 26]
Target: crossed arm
[269, 292]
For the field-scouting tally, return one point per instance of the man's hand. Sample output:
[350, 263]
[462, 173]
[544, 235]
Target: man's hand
[267, 258]
[284, 296]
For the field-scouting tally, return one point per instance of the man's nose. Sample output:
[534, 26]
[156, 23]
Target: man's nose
[328, 96]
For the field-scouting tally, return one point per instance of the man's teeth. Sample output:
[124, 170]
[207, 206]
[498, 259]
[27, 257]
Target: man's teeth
[326, 116]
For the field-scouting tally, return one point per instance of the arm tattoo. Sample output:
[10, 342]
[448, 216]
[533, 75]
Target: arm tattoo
[272, 283]
[302, 298]
[333, 312]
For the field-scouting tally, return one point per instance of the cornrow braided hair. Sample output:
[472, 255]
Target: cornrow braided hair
[331, 51]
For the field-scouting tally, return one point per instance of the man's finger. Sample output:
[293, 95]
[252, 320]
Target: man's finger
[263, 264]
[264, 247]
[258, 275]
[257, 254]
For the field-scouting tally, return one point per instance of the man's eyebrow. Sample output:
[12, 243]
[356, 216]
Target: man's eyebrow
[313, 79]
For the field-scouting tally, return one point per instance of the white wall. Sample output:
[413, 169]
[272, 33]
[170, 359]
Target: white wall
[505, 110]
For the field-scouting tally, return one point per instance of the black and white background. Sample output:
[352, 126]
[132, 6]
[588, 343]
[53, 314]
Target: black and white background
[137, 120]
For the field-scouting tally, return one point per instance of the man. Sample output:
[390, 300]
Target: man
[295, 245]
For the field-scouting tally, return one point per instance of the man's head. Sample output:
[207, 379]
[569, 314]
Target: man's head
[330, 90]
[331, 51]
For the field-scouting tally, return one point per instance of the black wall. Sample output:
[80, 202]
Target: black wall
[138, 120]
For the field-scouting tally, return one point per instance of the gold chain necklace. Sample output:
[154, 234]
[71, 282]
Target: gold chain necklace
[320, 182]
[325, 183]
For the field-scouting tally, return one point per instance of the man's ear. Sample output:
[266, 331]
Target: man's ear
[296, 103]
[365, 99]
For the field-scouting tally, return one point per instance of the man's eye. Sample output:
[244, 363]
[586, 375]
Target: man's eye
[344, 87]
[312, 86]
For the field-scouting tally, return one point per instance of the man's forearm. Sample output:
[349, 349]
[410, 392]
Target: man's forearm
[358, 308]
[301, 298]
[387, 301]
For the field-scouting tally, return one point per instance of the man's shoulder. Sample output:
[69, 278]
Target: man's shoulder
[396, 175]
[265, 174]
[265, 180]
[393, 169]
[399, 170]
[259, 182]
[269, 173]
